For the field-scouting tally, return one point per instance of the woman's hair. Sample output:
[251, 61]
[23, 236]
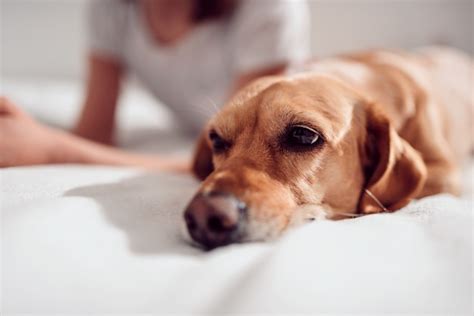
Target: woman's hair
[213, 9]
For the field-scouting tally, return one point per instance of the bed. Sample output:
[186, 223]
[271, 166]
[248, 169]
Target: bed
[106, 240]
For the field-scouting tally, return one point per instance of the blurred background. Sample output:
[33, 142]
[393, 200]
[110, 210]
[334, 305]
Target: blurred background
[43, 51]
[46, 38]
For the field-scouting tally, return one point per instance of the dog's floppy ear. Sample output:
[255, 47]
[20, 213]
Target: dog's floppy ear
[202, 160]
[395, 171]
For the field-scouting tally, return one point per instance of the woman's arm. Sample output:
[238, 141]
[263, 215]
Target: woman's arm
[97, 119]
[23, 141]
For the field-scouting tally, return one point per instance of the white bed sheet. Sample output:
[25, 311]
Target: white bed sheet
[79, 239]
[106, 240]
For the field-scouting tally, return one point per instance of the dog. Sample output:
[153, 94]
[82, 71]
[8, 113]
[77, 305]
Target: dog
[334, 138]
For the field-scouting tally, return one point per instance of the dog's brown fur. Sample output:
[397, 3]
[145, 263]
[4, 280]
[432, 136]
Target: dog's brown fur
[396, 124]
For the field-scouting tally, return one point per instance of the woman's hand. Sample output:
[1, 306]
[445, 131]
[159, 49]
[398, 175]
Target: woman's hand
[23, 141]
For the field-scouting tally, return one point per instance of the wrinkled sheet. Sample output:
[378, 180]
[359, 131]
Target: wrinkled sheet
[107, 240]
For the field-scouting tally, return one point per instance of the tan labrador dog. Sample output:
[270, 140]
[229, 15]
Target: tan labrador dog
[354, 134]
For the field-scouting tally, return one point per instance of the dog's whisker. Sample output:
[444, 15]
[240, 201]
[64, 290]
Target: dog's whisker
[216, 108]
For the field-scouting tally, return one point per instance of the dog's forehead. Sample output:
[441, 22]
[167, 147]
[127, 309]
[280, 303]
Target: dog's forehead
[318, 100]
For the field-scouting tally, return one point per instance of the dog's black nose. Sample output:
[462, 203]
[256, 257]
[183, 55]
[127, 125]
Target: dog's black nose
[215, 219]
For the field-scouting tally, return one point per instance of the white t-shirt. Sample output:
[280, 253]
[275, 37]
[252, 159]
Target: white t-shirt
[201, 68]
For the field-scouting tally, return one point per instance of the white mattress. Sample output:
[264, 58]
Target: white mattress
[78, 239]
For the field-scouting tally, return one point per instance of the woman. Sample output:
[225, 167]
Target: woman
[186, 52]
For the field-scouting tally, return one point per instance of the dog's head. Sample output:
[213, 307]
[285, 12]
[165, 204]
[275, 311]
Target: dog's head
[285, 150]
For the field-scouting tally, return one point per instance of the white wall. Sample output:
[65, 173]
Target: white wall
[47, 37]
[360, 24]
[42, 37]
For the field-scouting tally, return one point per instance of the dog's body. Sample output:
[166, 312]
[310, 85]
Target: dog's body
[359, 133]
[428, 98]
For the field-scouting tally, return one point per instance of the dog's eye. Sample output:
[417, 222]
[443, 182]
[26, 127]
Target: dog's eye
[218, 144]
[300, 135]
